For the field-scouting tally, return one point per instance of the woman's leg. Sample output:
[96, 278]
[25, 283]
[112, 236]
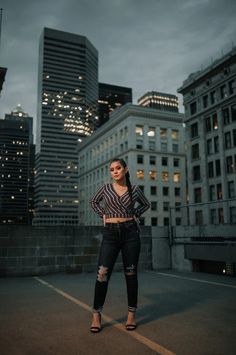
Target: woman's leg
[109, 251]
[130, 255]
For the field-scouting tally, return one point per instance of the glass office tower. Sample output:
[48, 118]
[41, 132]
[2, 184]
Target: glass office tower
[110, 98]
[16, 168]
[67, 113]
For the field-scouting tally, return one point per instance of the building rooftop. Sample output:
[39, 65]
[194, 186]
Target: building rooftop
[180, 313]
[130, 110]
[200, 74]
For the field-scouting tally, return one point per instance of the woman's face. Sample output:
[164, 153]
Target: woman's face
[117, 171]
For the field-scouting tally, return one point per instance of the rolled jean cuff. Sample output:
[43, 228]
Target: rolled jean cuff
[132, 309]
[99, 310]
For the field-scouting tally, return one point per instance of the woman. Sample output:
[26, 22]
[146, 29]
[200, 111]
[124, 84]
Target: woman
[119, 205]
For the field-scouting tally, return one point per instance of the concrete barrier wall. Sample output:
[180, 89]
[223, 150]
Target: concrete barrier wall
[34, 250]
[161, 252]
[225, 230]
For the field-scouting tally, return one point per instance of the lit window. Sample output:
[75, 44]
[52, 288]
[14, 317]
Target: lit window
[165, 176]
[215, 121]
[151, 132]
[163, 132]
[176, 177]
[140, 174]
[175, 134]
[139, 130]
[152, 174]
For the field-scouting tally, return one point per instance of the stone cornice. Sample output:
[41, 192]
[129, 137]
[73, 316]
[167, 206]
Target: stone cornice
[130, 110]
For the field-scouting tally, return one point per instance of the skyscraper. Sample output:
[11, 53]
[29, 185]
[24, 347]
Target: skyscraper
[160, 101]
[16, 177]
[67, 112]
[110, 98]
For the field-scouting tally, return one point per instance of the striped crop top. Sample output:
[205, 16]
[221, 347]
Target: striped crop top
[107, 202]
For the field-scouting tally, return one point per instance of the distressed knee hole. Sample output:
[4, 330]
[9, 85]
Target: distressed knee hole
[102, 273]
[130, 270]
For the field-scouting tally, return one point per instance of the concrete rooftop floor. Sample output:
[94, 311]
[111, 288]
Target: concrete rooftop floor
[179, 313]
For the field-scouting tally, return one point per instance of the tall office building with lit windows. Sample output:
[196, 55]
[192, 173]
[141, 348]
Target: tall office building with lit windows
[110, 98]
[160, 101]
[16, 168]
[67, 112]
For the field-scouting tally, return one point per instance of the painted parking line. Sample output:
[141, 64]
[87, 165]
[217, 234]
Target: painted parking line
[142, 339]
[192, 279]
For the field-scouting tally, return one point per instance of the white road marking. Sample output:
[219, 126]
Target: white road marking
[142, 339]
[192, 279]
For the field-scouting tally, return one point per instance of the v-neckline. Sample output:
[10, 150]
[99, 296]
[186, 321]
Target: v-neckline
[116, 192]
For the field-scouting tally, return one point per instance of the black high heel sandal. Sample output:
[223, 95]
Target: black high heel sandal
[131, 326]
[94, 329]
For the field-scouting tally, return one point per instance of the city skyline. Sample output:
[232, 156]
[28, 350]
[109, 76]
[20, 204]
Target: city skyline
[152, 47]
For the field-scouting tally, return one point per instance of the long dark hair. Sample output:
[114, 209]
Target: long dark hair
[127, 176]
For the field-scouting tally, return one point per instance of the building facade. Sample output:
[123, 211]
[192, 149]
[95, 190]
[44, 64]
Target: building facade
[67, 112]
[17, 168]
[210, 110]
[110, 98]
[152, 143]
[160, 101]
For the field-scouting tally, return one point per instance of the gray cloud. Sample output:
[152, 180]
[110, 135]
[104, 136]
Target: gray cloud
[151, 45]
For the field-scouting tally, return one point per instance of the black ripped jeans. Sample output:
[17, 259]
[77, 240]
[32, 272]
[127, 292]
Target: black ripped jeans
[122, 236]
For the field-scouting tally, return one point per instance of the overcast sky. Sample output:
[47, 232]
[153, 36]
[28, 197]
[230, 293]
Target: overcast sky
[143, 44]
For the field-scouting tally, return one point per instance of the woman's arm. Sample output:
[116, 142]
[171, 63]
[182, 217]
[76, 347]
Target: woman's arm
[143, 203]
[96, 200]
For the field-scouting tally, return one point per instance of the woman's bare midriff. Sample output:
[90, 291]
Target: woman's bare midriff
[117, 220]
